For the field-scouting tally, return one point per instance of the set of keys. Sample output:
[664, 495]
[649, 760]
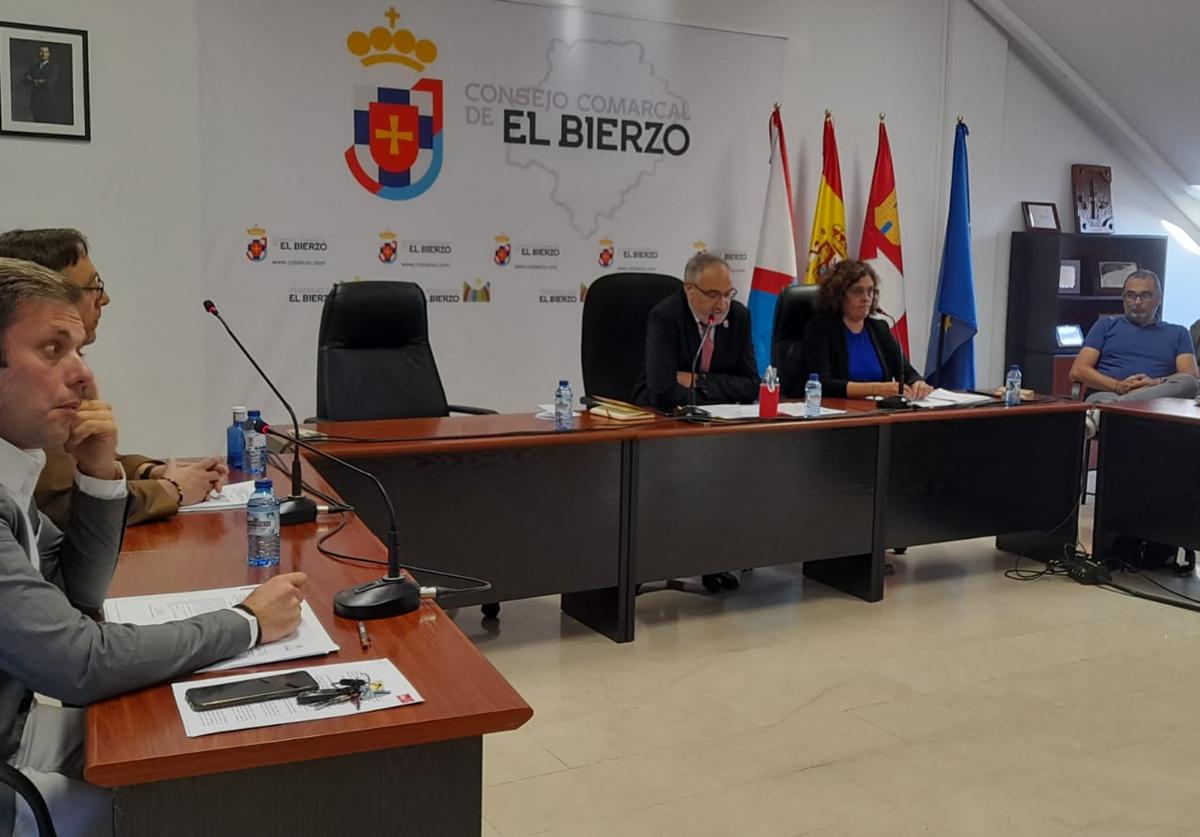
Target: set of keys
[349, 689]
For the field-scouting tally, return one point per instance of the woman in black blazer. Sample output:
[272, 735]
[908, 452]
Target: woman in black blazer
[853, 353]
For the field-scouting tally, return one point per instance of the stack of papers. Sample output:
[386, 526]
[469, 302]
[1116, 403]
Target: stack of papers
[232, 496]
[620, 411]
[310, 639]
[733, 412]
[286, 710]
[945, 398]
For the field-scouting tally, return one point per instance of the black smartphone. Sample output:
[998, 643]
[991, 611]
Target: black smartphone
[254, 690]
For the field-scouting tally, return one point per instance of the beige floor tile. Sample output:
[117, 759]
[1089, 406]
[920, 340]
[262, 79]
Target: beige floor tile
[511, 756]
[587, 794]
[637, 729]
[919, 716]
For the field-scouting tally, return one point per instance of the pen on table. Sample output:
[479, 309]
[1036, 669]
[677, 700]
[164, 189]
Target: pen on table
[363, 639]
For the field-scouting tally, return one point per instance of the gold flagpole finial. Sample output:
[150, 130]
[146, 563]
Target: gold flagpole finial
[960, 119]
[828, 113]
[882, 116]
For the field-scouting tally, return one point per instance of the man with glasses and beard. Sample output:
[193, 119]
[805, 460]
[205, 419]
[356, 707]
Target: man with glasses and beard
[726, 371]
[1136, 357]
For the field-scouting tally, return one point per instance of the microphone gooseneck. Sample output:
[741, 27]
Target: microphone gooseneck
[392, 595]
[295, 508]
[691, 410]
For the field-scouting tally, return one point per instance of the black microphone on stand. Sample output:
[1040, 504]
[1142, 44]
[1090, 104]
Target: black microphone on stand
[691, 410]
[899, 401]
[392, 595]
[296, 508]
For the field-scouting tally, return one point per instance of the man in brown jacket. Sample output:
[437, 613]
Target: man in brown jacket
[158, 487]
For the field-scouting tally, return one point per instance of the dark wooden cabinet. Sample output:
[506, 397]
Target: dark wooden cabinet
[1036, 306]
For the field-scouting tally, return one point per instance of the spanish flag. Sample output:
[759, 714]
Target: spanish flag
[829, 221]
[881, 239]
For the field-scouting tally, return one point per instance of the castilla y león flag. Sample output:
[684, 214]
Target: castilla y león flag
[881, 239]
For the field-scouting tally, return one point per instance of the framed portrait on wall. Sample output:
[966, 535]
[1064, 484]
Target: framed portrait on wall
[44, 82]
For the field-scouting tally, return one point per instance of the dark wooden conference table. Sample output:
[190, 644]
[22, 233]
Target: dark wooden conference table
[591, 513]
[413, 770]
[1148, 474]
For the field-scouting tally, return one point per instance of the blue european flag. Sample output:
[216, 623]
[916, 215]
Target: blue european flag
[950, 362]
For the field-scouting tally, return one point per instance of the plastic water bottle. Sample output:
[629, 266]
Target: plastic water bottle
[564, 410]
[262, 526]
[812, 396]
[1012, 386]
[235, 441]
[255, 462]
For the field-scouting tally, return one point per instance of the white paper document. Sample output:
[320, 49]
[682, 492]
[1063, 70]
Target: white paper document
[286, 710]
[231, 496]
[730, 412]
[546, 412]
[310, 639]
[946, 398]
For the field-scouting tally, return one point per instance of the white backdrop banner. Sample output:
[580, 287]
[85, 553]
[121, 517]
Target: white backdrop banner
[502, 155]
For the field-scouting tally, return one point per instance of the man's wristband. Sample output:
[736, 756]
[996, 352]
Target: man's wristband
[178, 491]
[245, 609]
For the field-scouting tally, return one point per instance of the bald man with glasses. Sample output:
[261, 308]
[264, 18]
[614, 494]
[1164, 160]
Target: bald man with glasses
[1136, 357]
[726, 370]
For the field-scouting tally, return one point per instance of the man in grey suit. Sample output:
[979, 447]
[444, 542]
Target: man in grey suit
[52, 580]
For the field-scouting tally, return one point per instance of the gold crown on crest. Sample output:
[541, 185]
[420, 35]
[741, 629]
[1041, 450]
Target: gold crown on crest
[388, 235]
[700, 244]
[391, 45]
[502, 239]
[606, 242]
[256, 231]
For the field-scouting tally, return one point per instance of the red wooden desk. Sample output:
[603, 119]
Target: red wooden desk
[416, 769]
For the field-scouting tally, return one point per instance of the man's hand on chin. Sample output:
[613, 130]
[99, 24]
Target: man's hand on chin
[93, 440]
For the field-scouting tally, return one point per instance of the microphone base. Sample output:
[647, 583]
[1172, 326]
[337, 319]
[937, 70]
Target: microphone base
[293, 510]
[692, 412]
[377, 599]
[895, 402]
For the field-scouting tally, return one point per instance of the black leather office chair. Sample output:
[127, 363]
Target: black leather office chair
[20, 783]
[795, 308]
[373, 355]
[613, 347]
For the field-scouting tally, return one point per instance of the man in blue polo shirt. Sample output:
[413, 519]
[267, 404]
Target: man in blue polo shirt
[1137, 357]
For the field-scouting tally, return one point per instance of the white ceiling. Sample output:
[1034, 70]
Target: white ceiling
[1143, 58]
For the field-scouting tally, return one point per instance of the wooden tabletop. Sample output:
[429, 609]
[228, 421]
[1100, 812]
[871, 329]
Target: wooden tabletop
[469, 433]
[139, 737]
[1167, 409]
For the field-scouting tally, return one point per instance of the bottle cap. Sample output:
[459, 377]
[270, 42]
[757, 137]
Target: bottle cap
[563, 383]
[262, 485]
[813, 376]
[239, 413]
[255, 413]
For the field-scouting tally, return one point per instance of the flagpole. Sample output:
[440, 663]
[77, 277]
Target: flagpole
[942, 326]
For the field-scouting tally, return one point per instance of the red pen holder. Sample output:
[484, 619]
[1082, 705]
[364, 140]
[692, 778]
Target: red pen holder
[768, 401]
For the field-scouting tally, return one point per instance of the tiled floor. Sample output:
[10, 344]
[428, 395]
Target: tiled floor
[963, 704]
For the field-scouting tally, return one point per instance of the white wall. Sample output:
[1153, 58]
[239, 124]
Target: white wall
[134, 188]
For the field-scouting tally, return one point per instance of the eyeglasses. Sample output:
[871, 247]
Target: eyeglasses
[1144, 296]
[862, 292]
[715, 295]
[97, 286]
